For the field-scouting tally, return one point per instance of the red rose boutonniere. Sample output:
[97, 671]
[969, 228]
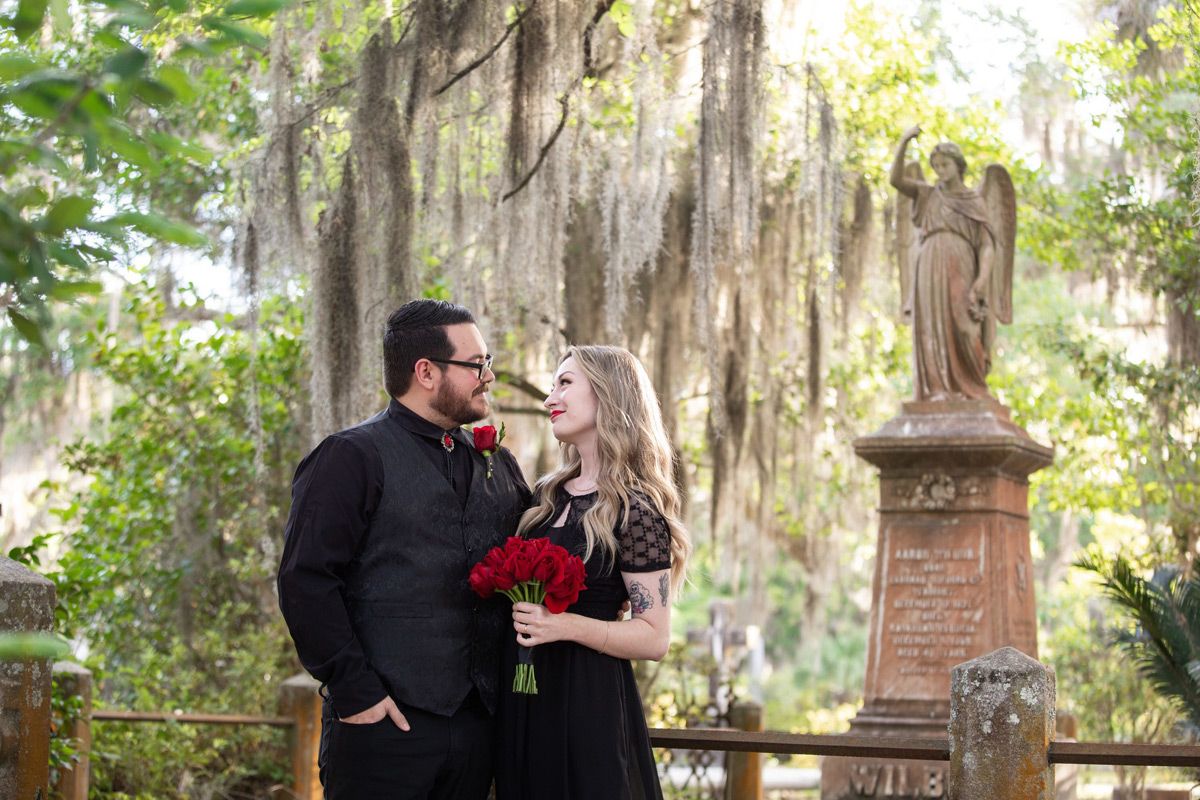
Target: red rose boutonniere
[487, 442]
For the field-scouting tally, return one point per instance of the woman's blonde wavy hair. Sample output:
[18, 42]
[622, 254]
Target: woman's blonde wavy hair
[634, 453]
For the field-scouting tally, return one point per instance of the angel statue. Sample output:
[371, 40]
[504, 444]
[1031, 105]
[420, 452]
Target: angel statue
[956, 254]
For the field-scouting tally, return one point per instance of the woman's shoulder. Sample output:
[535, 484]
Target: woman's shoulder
[645, 537]
[644, 514]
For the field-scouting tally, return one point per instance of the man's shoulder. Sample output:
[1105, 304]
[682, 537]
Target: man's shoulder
[511, 459]
[516, 475]
[360, 436]
[367, 424]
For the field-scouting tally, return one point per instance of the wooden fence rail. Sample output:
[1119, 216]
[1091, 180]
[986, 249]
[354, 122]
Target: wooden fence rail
[301, 702]
[110, 715]
[1105, 753]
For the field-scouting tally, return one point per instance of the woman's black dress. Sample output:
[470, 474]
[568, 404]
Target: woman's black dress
[583, 736]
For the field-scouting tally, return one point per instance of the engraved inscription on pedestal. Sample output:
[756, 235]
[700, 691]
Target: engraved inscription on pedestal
[901, 779]
[855, 778]
[933, 599]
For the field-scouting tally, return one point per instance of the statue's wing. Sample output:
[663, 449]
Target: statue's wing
[906, 241]
[1001, 201]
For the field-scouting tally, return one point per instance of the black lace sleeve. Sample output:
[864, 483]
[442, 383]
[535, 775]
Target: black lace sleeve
[645, 541]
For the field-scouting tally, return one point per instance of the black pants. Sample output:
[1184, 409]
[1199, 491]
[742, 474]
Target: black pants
[439, 758]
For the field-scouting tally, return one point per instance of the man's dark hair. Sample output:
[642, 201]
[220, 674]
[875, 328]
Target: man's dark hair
[414, 331]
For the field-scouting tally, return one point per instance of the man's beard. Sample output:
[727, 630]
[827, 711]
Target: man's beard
[456, 407]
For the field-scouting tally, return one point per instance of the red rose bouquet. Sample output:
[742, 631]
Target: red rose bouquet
[530, 571]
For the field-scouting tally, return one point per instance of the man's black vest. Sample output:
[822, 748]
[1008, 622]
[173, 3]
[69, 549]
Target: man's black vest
[428, 636]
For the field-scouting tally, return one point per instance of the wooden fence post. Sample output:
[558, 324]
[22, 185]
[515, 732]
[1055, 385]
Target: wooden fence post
[300, 700]
[26, 606]
[744, 776]
[75, 680]
[1001, 725]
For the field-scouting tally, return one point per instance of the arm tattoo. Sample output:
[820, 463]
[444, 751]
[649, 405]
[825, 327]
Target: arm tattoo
[663, 587]
[640, 600]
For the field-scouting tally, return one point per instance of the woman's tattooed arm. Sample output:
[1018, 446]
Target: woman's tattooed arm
[640, 600]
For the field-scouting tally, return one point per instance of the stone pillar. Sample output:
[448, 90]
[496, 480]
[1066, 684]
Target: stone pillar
[26, 606]
[1001, 725]
[953, 577]
[744, 781]
[75, 680]
[299, 699]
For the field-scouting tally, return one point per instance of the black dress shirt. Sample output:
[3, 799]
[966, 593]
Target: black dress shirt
[429, 437]
[335, 492]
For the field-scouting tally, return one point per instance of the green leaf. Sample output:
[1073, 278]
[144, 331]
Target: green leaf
[131, 149]
[253, 8]
[69, 212]
[196, 47]
[621, 12]
[28, 196]
[68, 255]
[91, 151]
[69, 290]
[127, 63]
[109, 39]
[61, 10]
[179, 82]
[14, 66]
[160, 228]
[98, 253]
[27, 329]
[18, 646]
[234, 32]
[50, 76]
[28, 19]
[153, 93]
[135, 18]
[173, 146]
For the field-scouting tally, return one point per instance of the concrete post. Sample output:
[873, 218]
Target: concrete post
[1001, 725]
[299, 699]
[26, 606]
[744, 777]
[75, 680]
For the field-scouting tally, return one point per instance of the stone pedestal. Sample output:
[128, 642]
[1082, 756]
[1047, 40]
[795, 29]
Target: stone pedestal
[26, 606]
[953, 577]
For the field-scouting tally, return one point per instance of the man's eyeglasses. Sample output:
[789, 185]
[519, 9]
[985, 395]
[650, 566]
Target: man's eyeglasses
[478, 366]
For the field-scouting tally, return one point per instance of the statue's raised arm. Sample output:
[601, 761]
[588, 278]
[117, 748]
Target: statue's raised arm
[955, 248]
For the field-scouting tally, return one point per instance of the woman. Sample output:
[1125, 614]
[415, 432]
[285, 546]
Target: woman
[955, 255]
[613, 502]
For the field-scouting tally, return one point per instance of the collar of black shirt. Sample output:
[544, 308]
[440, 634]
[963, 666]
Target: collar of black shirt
[416, 424]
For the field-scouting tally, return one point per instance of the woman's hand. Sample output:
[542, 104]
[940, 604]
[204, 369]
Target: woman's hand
[912, 133]
[535, 625]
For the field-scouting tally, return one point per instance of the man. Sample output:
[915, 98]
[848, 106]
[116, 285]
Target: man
[387, 519]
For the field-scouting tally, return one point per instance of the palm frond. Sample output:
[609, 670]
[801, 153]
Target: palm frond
[1165, 637]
